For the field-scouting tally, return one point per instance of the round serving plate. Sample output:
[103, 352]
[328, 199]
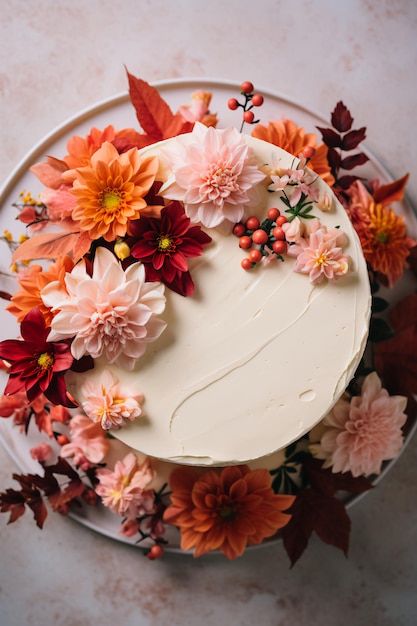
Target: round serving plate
[119, 112]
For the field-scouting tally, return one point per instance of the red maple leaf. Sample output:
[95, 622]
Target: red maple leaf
[35, 488]
[395, 359]
[15, 502]
[317, 509]
[154, 114]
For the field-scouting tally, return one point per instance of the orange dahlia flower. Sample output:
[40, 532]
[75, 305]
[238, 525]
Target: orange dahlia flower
[110, 191]
[382, 232]
[81, 149]
[225, 510]
[385, 245]
[31, 281]
[287, 135]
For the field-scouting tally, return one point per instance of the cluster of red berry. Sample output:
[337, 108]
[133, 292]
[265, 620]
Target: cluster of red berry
[251, 100]
[269, 234]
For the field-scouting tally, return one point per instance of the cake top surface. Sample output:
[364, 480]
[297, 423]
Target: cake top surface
[254, 359]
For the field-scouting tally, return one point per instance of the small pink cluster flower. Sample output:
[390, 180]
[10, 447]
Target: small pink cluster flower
[359, 435]
[318, 251]
[126, 489]
[108, 403]
[88, 444]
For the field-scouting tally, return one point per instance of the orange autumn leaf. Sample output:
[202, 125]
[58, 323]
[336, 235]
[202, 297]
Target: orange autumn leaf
[391, 192]
[153, 113]
[53, 245]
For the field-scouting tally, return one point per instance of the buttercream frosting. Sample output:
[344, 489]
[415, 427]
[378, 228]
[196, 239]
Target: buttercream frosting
[254, 359]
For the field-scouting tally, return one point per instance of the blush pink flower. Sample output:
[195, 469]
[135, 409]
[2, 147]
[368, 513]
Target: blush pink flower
[320, 255]
[108, 403]
[198, 110]
[41, 452]
[126, 489]
[112, 313]
[361, 434]
[214, 176]
[43, 412]
[88, 444]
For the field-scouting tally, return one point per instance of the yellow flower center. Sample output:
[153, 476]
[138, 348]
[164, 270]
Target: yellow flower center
[164, 243]
[45, 361]
[321, 260]
[110, 201]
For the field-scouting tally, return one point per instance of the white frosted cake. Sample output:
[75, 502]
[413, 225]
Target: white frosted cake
[254, 359]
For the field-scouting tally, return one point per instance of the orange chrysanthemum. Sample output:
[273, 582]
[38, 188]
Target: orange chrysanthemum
[225, 510]
[31, 282]
[110, 191]
[287, 135]
[384, 240]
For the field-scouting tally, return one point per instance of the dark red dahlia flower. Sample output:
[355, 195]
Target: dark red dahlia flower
[37, 366]
[164, 244]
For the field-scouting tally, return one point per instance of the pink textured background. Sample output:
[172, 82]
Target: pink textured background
[57, 58]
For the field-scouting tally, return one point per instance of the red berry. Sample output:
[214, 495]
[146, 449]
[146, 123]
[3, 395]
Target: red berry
[308, 152]
[259, 236]
[255, 255]
[273, 213]
[232, 104]
[246, 87]
[62, 440]
[281, 219]
[245, 242]
[278, 233]
[252, 223]
[155, 552]
[239, 229]
[246, 263]
[280, 247]
[249, 116]
[257, 100]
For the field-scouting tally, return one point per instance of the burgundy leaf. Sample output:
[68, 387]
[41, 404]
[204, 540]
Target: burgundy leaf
[353, 138]
[333, 523]
[330, 137]
[297, 532]
[13, 502]
[334, 158]
[348, 163]
[344, 182]
[341, 118]
[328, 482]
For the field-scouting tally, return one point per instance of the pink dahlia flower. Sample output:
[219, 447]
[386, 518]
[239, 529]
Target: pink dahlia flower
[214, 176]
[107, 403]
[126, 490]
[88, 444]
[112, 313]
[361, 434]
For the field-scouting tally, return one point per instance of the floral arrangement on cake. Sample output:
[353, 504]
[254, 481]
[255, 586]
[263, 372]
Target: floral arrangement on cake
[120, 240]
